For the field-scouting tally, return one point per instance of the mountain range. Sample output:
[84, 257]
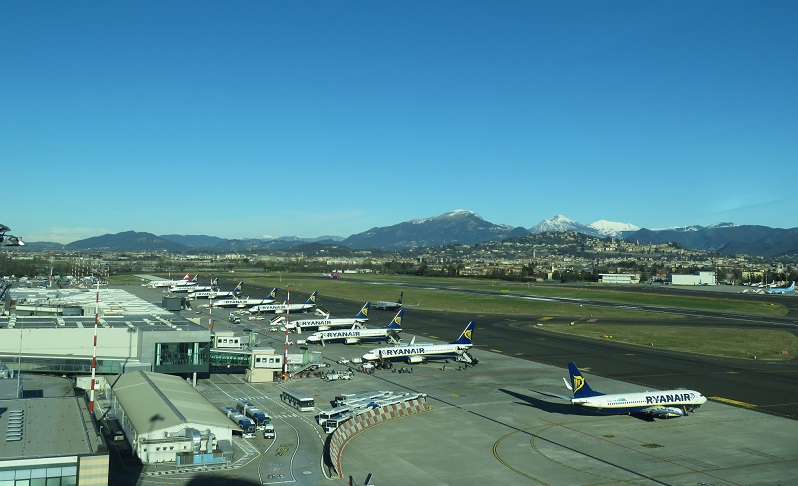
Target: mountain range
[458, 227]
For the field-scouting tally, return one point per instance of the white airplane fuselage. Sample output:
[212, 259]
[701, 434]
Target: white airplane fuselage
[241, 303]
[665, 403]
[323, 324]
[351, 336]
[407, 352]
[281, 308]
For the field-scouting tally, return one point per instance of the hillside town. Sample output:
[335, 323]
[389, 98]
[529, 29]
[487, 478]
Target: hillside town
[557, 257]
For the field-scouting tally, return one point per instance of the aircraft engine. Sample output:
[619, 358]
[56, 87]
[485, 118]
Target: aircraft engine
[669, 412]
[324, 328]
[415, 359]
[351, 341]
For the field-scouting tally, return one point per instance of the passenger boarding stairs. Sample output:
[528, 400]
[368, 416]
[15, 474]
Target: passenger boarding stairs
[466, 358]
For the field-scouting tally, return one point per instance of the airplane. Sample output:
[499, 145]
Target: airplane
[388, 305]
[390, 333]
[413, 353]
[286, 308]
[205, 288]
[653, 404]
[215, 293]
[168, 283]
[247, 302]
[782, 290]
[185, 287]
[326, 324]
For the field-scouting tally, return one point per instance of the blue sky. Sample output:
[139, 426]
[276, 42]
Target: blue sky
[250, 118]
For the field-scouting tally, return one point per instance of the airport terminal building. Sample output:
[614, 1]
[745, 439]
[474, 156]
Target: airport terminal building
[53, 331]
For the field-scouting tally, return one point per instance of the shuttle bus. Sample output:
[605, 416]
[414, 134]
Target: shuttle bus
[301, 401]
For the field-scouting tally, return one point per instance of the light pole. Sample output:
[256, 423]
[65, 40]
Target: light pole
[287, 317]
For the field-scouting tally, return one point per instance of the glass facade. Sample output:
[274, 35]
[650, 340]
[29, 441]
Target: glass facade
[66, 366]
[181, 357]
[50, 475]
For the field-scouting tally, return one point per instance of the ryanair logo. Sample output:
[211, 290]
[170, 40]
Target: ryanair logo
[272, 294]
[314, 322]
[313, 298]
[678, 397]
[365, 311]
[401, 352]
[398, 321]
[467, 334]
[336, 334]
[579, 382]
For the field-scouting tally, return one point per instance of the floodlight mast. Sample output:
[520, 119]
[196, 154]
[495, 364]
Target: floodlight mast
[94, 347]
[287, 318]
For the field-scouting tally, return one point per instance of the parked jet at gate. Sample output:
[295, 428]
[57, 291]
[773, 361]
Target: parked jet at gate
[218, 294]
[248, 302]
[326, 324]
[285, 307]
[782, 290]
[390, 333]
[388, 305]
[168, 283]
[203, 288]
[659, 404]
[420, 353]
[186, 286]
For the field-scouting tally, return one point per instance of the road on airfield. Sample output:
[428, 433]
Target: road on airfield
[762, 385]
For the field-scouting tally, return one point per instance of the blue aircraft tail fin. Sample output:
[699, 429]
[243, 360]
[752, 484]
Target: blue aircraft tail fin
[465, 337]
[396, 322]
[239, 288]
[579, 384]
[215, 282]
[364, 311]
[312, 299]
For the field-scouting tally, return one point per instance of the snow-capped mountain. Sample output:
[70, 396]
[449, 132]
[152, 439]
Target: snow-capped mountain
[611, 228]
[601, 228]
[560, 224]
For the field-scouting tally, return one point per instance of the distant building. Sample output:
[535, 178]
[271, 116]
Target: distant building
[619, 278]
[697, 278]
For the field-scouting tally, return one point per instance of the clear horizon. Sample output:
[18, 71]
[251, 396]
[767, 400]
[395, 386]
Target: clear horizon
[316, 118]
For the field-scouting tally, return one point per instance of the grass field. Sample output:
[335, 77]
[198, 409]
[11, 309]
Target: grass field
[679, 335]
[729, 342]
